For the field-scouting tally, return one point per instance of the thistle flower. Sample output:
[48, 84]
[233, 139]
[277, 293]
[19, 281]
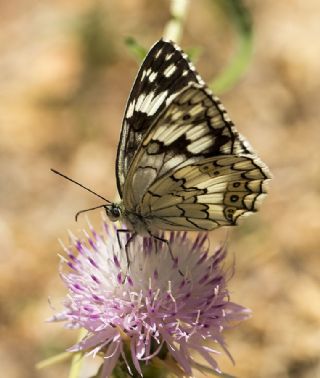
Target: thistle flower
[153, 308]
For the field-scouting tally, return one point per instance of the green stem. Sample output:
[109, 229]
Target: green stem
[174, 27]
[242, 22]
[77, 359]
[75, 365]
[148, 371]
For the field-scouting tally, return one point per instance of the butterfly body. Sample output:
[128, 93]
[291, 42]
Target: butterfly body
[181, 164]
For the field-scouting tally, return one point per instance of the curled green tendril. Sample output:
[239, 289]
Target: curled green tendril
[241, 19]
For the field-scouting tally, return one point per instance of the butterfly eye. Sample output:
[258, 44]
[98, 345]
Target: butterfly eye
[113, 212]
[116, 212]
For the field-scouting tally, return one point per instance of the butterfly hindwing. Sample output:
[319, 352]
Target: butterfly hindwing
[165, 71]
[202, 196]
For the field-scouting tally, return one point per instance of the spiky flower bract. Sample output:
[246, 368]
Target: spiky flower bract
[155, 306]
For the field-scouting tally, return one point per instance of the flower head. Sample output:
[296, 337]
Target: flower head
[138, 301]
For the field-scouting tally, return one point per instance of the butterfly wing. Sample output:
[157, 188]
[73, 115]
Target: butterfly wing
[167, 184]
[174, 130]
[164, 72]
[193, 127]
[214, 192]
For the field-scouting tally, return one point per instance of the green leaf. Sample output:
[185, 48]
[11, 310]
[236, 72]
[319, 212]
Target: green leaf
[77, 359]
[54, 360]
[135, 48]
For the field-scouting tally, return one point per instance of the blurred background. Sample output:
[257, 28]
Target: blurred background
[65, 74]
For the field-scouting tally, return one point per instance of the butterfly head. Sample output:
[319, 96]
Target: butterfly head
[114, 211]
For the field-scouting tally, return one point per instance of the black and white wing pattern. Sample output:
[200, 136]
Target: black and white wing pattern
[164, 72]
[181, 163]
[215, 192]
[192, 170]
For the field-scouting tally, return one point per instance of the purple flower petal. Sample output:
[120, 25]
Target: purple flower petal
[154, 300]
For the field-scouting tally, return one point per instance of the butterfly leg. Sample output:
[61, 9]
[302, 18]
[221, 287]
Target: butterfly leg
[129, 240]
[122, 231]
[163, 240]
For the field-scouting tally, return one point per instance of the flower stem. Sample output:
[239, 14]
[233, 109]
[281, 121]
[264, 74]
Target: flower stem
[148, 371]
[75, 365]
[77, 359]
[174, 27]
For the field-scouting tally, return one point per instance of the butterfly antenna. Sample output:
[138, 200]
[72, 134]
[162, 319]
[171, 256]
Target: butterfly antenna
[84, 211]
[82, 186]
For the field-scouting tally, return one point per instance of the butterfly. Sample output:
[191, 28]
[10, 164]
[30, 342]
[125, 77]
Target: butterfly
[181, 164]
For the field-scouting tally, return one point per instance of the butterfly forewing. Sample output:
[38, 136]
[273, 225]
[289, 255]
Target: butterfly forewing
[193, 127]
[165, 71]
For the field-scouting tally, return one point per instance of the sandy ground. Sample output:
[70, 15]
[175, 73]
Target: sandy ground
[63, 86]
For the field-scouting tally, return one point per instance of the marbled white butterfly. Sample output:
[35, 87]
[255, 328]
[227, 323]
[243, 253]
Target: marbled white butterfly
[181, 164]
